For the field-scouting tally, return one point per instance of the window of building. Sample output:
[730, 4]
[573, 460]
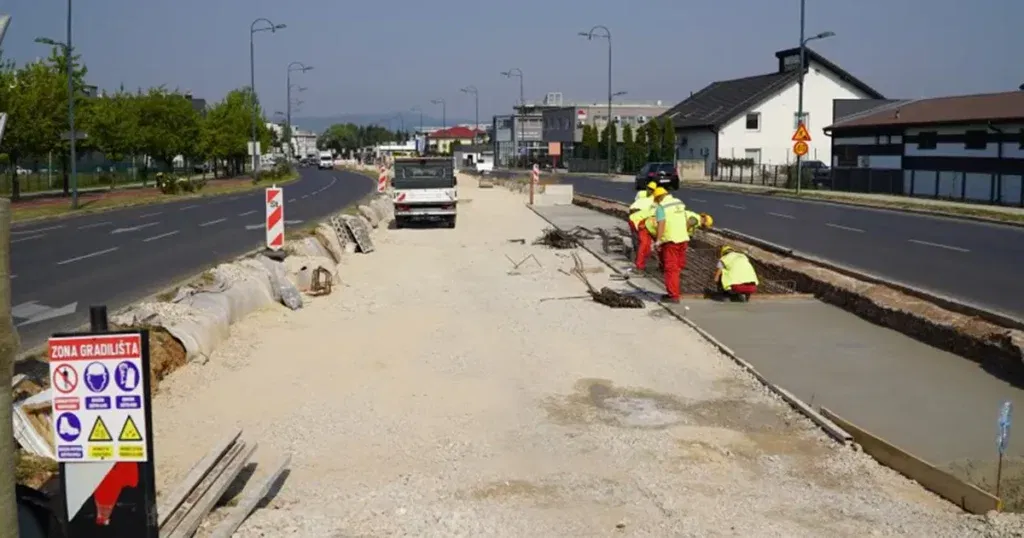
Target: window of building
[806, 118]
[927, 140]
[976, 139]
[754, 121]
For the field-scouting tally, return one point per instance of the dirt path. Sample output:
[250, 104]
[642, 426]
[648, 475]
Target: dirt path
[436, 395]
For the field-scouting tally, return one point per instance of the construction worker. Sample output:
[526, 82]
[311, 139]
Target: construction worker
[735, 277]
[695, 221]
[671, 240]
[646, 193]
[639, 211]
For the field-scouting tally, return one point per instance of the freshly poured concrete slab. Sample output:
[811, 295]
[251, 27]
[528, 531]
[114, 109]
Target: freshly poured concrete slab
[934, 404]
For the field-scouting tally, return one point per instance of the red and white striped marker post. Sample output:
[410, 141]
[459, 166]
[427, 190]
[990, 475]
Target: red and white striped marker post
[275, 218]
[382, 180]
[534, 180]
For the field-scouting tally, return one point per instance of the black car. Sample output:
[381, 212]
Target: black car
[664, 174]
[819, 173]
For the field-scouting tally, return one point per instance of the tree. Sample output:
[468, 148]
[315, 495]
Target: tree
[640, 147]
[227, 128]
[112, 125]
[668, 140]
[590, 141]
[628, 149]
[610, 131]
[57, 63]
[32, 96]
[654, 131]
[168, 125]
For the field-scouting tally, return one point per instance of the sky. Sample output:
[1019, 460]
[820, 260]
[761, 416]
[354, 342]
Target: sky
[385, 57]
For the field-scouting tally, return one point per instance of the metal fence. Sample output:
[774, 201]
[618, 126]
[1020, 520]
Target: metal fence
[766, 174]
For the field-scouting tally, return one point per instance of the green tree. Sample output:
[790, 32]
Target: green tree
[226, 131]
[668, 140]
[112, 125]
[628, 150]
[640, 147]
[654, 133]
[168, 125]
[610, 131]
[590, 142]
[57, 63]
[31, 96]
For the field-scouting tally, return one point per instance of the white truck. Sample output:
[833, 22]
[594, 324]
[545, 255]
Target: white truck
[424, 189]
[326, 161]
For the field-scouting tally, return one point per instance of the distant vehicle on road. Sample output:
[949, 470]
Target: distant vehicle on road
[326, 161]
[821, 175]
[662, 173]
[424, 189]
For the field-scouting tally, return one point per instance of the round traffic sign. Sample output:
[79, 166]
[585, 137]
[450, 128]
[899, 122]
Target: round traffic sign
[65, 379]
[800, 148]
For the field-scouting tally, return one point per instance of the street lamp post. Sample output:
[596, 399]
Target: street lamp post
[476, 102]
[607, 35]
[302, 68]
[800, 84]
[420, 110]
[516, 72]
[272, 28]
[444, 111]
[68, 48]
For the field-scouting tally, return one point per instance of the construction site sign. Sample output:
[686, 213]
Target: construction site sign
[801, 134]
[99, 386]
[275, 218]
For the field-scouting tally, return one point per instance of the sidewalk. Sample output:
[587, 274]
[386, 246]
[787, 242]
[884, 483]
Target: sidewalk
[443, 391]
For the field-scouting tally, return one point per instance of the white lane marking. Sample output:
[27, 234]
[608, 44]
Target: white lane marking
[304, 196]
[697, 200]
[292, 200]
[27, 238]
[37, 230]
[938, 245]
[247, 213]
[133, 228]
[212, 222]
[187, 207]
[86, 256]
[781, 215]
[147, 215]
[161, 236]
[233, 198]
[841, 227]
[96, 225]
[735, 206]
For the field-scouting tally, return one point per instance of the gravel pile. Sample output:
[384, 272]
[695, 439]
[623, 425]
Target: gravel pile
[437, 395]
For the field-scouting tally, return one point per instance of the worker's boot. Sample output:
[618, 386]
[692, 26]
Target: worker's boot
[740, 297]
[666, 298]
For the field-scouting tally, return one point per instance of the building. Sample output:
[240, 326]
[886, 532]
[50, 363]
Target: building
[303, 142]
[473, 156]
[441, 141]
[968, 147]
[522, 133]
[563, 126]
[755, 117]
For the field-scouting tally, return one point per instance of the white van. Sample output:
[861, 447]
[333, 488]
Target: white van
[326, 161]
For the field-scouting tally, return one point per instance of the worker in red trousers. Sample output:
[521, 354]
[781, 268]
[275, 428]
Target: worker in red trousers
[671, 240]
[639, 211]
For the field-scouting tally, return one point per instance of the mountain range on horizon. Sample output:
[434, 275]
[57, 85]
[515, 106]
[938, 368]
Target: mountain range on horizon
[319, 124]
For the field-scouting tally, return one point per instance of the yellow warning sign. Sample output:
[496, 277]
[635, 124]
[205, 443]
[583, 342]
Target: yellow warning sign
[133, 452]
[801, 134]
[99, 432]
[101, 452]
[129, 432]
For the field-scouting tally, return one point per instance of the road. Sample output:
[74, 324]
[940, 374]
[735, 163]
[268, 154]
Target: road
[61, 267]
[974, 261]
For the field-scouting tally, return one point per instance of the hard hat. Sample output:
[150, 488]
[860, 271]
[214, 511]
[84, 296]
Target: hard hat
[651, 186]
[707, 220]
[660, 191]
[724, 250]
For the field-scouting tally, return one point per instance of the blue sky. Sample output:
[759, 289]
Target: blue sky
[372, 57]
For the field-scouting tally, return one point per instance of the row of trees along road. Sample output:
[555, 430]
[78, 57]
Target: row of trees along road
[652, 141]
[347, 137]
[150, 127]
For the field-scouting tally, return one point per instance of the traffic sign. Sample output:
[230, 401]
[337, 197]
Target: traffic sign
[801, 134]
[65, 378]
[800, 148]
[536, 174]
[275, 218]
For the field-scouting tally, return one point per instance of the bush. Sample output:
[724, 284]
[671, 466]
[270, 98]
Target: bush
[280, 170]
[166, 183]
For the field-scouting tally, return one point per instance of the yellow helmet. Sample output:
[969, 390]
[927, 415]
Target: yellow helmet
[706, 220]
[724, 250]
[652, 186]
[660, 191]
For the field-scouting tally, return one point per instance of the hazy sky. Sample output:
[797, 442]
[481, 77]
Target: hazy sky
[373, 57]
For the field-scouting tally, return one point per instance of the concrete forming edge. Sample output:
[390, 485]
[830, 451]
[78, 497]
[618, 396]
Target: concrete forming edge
[830, 429]
[967, 496]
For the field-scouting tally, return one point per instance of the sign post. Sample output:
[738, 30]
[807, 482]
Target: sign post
[1003, 438]
[102, 424]
[800, 138]
[275, 218]
[534, 180]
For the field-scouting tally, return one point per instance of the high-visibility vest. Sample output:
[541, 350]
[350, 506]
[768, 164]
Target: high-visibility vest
[692, 221]
[640, 210]
[675, 220]
[737, 269]
[640, 195]
[651, 223]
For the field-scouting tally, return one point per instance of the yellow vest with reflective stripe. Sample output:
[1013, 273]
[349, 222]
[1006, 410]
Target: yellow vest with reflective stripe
[692, 221]
[640, 210]
[737, 269]
[641, 195]
[651, 223]
[675, 220]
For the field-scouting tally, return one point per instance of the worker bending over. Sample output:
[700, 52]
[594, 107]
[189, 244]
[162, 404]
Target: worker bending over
[695, 221]
[646, 193]
[639, 211]
[671, 240]
[735, 277]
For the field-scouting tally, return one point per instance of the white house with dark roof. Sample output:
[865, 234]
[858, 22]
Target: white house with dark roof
[755, 117]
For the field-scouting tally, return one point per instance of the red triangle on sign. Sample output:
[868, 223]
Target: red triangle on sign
[272, 193]
[277, 241]
[801, 134]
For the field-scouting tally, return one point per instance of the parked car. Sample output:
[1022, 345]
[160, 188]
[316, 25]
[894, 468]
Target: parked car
[663, 173]
[821, 175]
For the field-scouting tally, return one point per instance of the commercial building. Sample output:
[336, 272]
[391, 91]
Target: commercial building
[968, 147]
[562, 127]
[522, 133]
[754, 118]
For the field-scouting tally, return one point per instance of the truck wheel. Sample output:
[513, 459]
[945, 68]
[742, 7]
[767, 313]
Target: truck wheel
[399, 223]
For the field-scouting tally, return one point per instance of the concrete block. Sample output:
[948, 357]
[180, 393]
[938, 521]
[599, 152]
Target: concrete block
[554, 195]
[370, 215]
[326, 234]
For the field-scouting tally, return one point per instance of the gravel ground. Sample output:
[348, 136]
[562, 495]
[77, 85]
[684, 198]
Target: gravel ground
[436, 394]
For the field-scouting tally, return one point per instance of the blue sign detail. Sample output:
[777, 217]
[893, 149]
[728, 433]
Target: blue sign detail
[97, 403]
[97, 377]
[70, 452]
[1005, 420]
[68, 427]
[129, 402]
[127, 376]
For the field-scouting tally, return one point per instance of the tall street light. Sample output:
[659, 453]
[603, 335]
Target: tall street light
[68, 48]
[516, 72]
[268, 26]
[420, 110]
[606, 35]
[800, 83]
[476, 101]
[444, 111]
[302, 68]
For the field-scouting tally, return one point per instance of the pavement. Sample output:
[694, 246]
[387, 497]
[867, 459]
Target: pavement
[972, 261]
[935, 404]
[61, 267]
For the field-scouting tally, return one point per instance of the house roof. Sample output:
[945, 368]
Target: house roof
[458, 132]
[988, 107]
[720, 102]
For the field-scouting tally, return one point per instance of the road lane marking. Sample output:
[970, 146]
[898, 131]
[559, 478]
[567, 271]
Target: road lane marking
[735, 206]
[147, 215]
[247, 213]
[841, 227]
[87, 256]
[187, 207]
[292, 200]
[161, 236]
[233, 198]
[37, 230]
[212, 222]
[781, 215]
[133, 228]
[938, 245]
[697, 200]
[304, 196]
[96, 225]
[27, 238]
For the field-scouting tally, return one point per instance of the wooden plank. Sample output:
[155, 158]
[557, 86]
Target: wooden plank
[170, 502]
[967, 496]
[175, 518]
[206, 503]
[253, 496]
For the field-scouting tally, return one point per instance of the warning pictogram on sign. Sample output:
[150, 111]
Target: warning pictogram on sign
[129, 432]
[99, 432]
[801, 134]
[65, 378]
[275, 218]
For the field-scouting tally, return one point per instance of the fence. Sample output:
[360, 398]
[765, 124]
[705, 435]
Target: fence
[587, 166]
[768, 175]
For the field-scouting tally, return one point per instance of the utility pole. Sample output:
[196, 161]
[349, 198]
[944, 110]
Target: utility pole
[272, 28]
[476, 101]
[521, 116]
[302, 68]
[607, 35]
[444, 111]
[800, 84]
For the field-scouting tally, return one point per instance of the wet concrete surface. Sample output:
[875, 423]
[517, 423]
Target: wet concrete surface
[934, 404]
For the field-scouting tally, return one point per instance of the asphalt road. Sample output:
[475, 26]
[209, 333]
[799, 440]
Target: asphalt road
[61, 267]
[977, 262]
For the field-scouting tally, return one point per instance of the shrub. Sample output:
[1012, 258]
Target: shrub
[166, 183]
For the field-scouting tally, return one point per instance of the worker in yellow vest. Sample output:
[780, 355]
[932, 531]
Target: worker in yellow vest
[671, 240]
[735, 276]
[696, 221]
[646, 193]
[639, 211]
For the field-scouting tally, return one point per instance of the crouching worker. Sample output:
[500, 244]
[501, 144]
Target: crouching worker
[697, 221]
[735, 277]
